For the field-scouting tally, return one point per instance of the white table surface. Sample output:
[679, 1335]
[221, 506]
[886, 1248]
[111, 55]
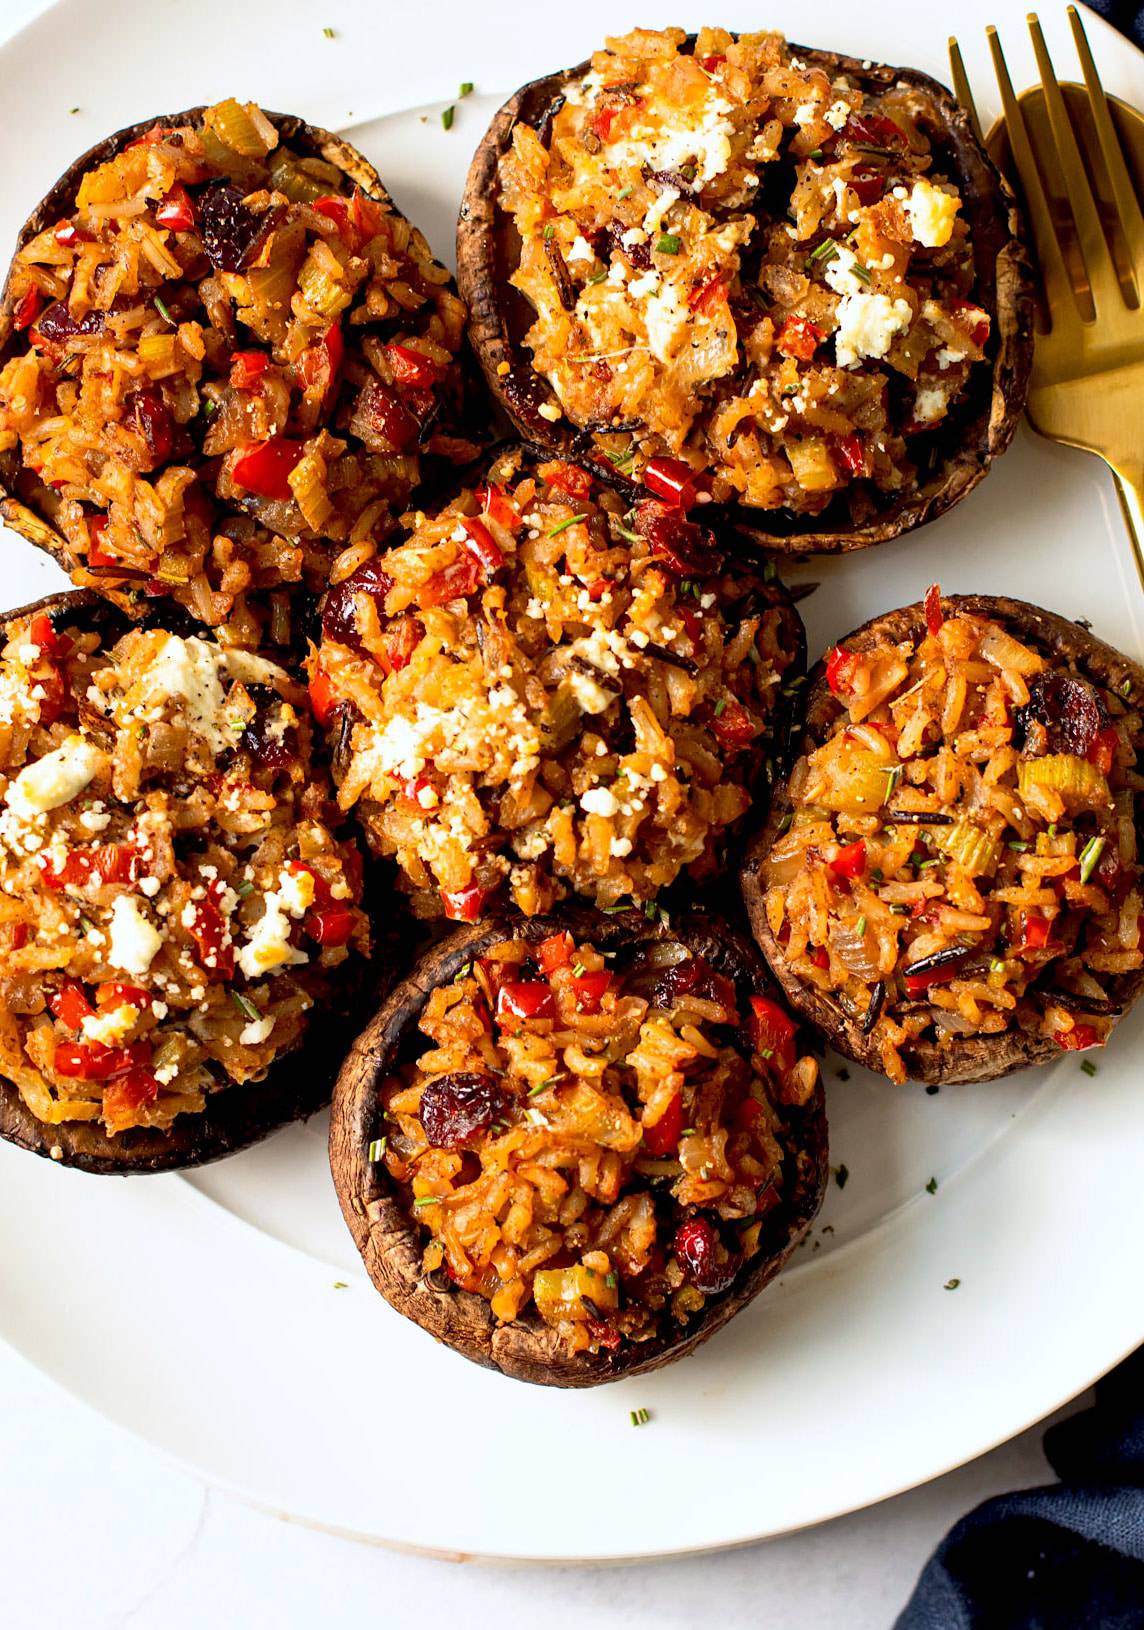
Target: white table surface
[98, 1531]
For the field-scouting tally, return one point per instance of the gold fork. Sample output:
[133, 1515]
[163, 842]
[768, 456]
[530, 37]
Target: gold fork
[1087, 386]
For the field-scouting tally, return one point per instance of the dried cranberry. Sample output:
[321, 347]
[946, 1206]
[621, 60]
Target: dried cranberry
[231, 231]
[271, 743]
[383, 422]
[1067, 708]
[454, 1108]
[693, 977]
[638, 254]
[154, 423]
[683, 546]
[704, 1258]
[57, 325]
[339, 614]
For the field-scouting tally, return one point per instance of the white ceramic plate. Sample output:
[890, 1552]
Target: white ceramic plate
[225, 1317]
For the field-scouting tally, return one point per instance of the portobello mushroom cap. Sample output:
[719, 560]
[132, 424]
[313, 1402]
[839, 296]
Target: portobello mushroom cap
[389, 1241]
[1067, 645]
[979, 427]
[295, 1088]
[27, 504]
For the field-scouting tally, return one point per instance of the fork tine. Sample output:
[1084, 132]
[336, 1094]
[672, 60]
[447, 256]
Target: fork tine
[1050, 261]
[961, 87]
[1090, 234]
[1123, 186]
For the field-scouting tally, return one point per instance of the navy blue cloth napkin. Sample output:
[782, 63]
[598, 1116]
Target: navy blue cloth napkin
[1071, 1556]
[1067, 1557]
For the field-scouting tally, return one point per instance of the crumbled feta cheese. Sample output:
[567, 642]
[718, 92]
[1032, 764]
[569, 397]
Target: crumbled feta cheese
[929, 404]
[653, 220]
[590, 696]
[805, 114]
[580, 250]
[134, 938]
[840, 274]
[549, 412]
[253, 670]
[666, 317]
[55, 779]
[947, 356]
[268, 949]
[931, 214]
[296, 891]
[837, 114]
[867, 324]
[599, 801]
[149, 886]
[620, 847]
[110, 1028]
[647, 284]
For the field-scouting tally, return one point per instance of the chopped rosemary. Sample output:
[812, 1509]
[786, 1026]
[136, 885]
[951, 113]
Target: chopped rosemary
[842, 1176]
[626, 532]
[1017, 845]
[564, 525]
[340, 1284]
[785, 823]
[624, 192]
[951, 1284]
[466, 88]
[245, 1006]
[1126, 687]
[611, 1281]
[931, 1186]
[826, 250]
[244, 888]
[640, 1417]
[1089, 856]
[1088, 1066]
[815, 153]
[160, 307]
[860, 926]
[598, 277]
[997, 965]
[376, 1150]
[447, 116]
[668, 243]
[426, 1200]
[862, 273]
[893, 776]
[720, 705]
[620, 459]
[549, 231]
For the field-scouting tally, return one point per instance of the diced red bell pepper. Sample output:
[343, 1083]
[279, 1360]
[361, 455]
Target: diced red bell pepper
[772, 1033]
[412, 368]
[589, 990]
[93, 1061]
[693, 624]
[597, 589]
[27, 309]
[663, 1138]
[329, 925]
[851, 451]
[114, 993]
[481, 544]
[733, 727]
[366, 214]
[934, 615]
[211, 935]
[841, 666]
[455, 582]
[401, 640]
[388, 416]
[867, 185]
[110, 863]
[979, 331]
[412, 789]
[707, 294]
[525, 999]
[177, 211]
[916, 983]
[70, 1005]
[555, 952]
[97, 555]
[68, 234]
[117, 863]
[247, 368]
[1079, 1038]
[672, 480]
[17, 935]
[799, 338]
[151, 138]
[129, 1093]
[1035, 931]
[496, 506]
[872, 129]
[322, 894]
[265, 468]
[568, 478]
[1102, 752]
[323, 697]
[337, 210]
[321, 363]
[51, 643]
[464, 905]
[711, 63]
[850, 861]
[820, 956]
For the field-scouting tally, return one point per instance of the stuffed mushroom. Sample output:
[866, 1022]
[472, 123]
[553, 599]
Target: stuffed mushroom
[572, 1147]
[791, 277]
[225, 360]
[949, 884]
[542, 693]
[176, 900]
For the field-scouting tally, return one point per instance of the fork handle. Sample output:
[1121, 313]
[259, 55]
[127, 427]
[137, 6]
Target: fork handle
[1129, 479]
